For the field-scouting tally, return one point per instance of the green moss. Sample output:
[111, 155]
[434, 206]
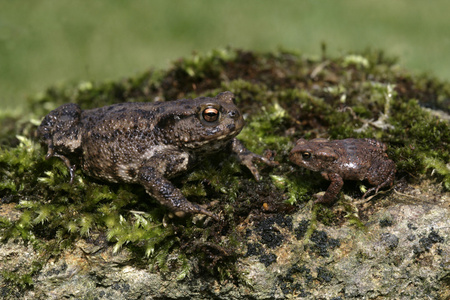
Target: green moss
[298, 190]
[283, 96]
[422, 145]
[22, 281]
[264, 130]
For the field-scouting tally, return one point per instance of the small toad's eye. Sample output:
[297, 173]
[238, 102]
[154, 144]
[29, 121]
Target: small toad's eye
[210, 114]
[306, 155]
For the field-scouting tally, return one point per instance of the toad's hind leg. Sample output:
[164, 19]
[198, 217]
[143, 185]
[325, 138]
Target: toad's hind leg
[388, 169]
[167, 194]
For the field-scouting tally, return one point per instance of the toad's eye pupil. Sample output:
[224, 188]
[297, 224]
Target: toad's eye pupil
[210, 114]
[306, 155]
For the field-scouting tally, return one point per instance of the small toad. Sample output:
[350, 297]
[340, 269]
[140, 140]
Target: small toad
[348, 159]
[148, 143]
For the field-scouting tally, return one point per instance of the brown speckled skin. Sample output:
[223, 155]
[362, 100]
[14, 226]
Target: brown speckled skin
[147, 143]
[348, 159]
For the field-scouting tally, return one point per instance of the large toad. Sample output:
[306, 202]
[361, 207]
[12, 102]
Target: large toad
[348, 159]
[147, 143]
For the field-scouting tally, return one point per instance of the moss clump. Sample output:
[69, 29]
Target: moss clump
[283, 95]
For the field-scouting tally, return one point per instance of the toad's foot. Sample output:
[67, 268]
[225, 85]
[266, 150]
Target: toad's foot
[247, 158]
[168, 195]
[70, 167]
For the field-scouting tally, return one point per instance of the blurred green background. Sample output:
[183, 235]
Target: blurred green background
[45, 42]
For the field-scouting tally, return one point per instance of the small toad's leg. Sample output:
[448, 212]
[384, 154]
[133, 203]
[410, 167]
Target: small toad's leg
[167, 194]
[246, 157]
[389, 166]
[333, 189]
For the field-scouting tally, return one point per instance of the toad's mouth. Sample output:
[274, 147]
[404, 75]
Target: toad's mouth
[217, 133]
[214, 138]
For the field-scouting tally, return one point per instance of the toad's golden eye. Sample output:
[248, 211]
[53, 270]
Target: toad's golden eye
[306, 155]
[210, 114]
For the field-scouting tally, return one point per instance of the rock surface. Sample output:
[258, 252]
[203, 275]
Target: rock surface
[400, 251]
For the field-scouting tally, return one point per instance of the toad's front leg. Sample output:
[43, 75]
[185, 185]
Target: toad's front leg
[333, 189]
[167, 194]
[246, 157]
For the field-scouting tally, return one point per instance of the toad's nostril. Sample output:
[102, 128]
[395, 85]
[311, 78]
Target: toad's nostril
[233, 114]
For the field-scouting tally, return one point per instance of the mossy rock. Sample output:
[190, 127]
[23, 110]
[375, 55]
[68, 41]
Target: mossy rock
[100, 240]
